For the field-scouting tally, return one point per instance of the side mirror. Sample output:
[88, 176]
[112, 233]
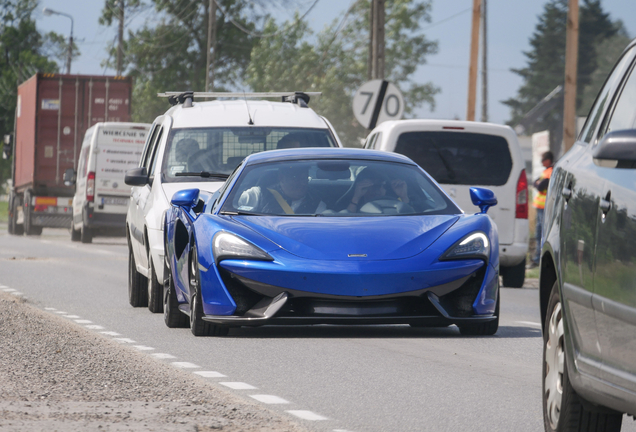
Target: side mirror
[136, 177]
[617, 150]
[186, 198]
[483, 198]
[7, 148]
[69, 177]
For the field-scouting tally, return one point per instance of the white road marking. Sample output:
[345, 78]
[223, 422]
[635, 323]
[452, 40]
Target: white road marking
[110, 333]
[530, 323]
[8, 289]
[307, 415]
[124, 340]
[49, 309]
[185, 365]
[238, 385]
[94, 327]
[207, 374]
[82, 321]
[72, 316]
[269, 399]
[3, 286]
[16, 293]
[143, 347]
[61, 313]
[163, 356]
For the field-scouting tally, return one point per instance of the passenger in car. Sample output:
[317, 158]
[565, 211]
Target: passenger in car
[291, 195]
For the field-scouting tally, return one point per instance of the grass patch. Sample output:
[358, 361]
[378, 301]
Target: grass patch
[532, 273]
[4, 211]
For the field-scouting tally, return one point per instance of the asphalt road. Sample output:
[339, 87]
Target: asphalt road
[373, 378]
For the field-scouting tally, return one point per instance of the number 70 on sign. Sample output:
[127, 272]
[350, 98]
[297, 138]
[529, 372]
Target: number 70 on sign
[377, 101]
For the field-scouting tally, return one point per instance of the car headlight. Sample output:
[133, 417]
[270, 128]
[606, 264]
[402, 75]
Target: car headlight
[475, 245]
[229, 246]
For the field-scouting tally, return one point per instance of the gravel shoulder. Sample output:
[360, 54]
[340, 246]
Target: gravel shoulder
[55, 375]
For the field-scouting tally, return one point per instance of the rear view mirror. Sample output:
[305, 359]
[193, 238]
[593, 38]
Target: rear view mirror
[7, 148]
[186, 198]
[69, 177]
[136, 177]
[483, 198]
[617, 150]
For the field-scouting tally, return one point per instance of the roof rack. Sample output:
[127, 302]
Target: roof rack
[186, 98]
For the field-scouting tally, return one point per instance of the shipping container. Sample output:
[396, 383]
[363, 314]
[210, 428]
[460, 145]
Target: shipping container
[52, 114]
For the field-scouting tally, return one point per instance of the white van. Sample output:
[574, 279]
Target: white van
[101, 196]
[462, 154]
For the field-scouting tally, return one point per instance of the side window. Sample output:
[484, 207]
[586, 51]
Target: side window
[148, 151]
[155, 152]
[227, 183]
[587, 134]
[83, 163]
[376, 141]
[370, 141]
[624, 111]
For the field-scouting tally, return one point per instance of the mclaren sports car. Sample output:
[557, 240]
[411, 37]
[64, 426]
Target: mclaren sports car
[329, 236]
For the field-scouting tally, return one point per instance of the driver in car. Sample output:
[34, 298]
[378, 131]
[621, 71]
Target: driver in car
[291, 195]
[371, 185]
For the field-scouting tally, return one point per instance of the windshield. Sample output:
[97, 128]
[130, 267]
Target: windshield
[196, 154]
[335, 188]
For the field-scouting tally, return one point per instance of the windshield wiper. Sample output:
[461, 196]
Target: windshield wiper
[203, 174]
[239, 213]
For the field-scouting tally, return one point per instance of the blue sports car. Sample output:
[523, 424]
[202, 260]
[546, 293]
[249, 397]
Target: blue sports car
[329, 236]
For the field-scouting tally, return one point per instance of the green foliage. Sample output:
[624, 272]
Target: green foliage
[335, 61]
[545, 68]
[171, 56]
[22, 55]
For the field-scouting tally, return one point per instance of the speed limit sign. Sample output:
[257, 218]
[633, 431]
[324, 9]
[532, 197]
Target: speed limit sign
[377, 101]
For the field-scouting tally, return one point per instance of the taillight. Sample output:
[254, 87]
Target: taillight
[90, 187]
[521, 211]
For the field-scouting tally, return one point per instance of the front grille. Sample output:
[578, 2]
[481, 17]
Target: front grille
[244, 297]
[402, 306]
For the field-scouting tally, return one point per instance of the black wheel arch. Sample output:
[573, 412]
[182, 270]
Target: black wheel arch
[547, 277]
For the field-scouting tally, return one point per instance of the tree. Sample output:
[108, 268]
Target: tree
[171, 56]
[335, 63]
[545, 68]
[22, 55]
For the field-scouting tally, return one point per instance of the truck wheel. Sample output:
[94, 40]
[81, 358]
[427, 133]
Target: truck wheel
[75, 234]
[137, 293]
[14, 227]
[29, 228]
[155, 290]
[86, 235]
[563, 409]
[515, 276]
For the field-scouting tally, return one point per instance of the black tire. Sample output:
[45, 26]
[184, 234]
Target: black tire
[482, 329]
[29, 228]
[137, 291]
[172, 316]
[566, 411]
[75, 234]
[155, 289]
[86, 234]
[198, 327]
[515, 276]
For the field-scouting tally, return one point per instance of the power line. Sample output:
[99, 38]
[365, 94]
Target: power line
[262, 35]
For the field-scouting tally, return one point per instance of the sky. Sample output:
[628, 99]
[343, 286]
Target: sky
[511, 24]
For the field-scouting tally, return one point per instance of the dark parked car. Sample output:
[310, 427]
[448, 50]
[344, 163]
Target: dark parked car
[588, 267]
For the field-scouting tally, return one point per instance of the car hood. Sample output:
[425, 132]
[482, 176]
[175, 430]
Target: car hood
[351, 238]
[171, 188]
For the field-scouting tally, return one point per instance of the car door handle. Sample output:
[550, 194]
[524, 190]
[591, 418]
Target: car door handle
[567, 193]
[606, 203]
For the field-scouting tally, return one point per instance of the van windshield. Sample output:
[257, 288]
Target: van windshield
[217, 151]
[459, 158]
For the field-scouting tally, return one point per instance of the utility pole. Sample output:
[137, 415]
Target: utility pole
[474, 58]
[376, 42]
[209, 64]
[120, 37]
[571, 60]
[484, 62]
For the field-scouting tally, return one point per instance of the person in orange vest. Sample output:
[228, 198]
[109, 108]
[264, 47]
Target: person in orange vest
[541, 185]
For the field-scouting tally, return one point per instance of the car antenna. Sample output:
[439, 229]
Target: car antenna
[251, 122]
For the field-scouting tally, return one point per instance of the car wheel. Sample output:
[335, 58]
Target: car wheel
[155, 289]
[563, 409]
[482, 329]
[75, 234]
[137, 292]
[515, 276]
[86, 235]
[198, 327]
[172, 316]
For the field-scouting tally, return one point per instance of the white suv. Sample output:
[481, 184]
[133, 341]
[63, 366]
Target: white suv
[461, 154]
[197, 145]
